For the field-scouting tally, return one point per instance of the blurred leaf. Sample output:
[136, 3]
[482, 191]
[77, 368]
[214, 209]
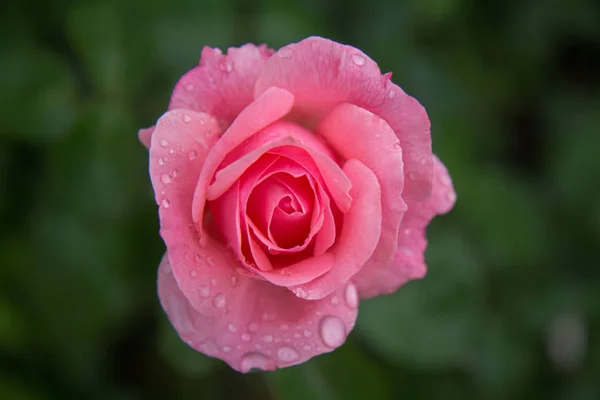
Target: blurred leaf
[14, 389]
[12, 326]
[341, 375]
[429, 323]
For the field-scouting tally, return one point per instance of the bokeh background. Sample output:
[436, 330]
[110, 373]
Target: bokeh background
[510, 308]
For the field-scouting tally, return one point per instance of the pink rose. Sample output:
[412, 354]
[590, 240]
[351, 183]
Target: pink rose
[289, 185]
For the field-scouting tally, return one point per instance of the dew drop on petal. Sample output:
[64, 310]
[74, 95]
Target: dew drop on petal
[332, 331]
[163, 143]
[351, 296]
[165, 178]
[193, 273]
[245, 337]
[226, 349]
[358, 60]
[186, 118]
[268, 338]
[161, 161]
[287, 354]
[203, 291]
[307, 347]
[335, 300]
[192, 155]
[189, 88]
[232, 328]
[165, 203]
[219, 300]
[391, 94]
[254, 360]
[307, 333]
[413, 175]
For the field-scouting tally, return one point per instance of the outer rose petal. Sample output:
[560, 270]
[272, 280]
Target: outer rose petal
[409, 258]
[265, 326]
[322, 74]
[359, 236]
[144, 135]
[356, 133]
[222, 85]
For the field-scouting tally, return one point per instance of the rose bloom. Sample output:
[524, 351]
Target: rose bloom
[290, 185]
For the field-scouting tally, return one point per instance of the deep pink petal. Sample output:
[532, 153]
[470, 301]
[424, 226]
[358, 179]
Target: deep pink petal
[409, 258]
[322, 74]
[357, 133]
[144, 135]
[268, 108]
[359, 236]
[223, 84]
[263, 326]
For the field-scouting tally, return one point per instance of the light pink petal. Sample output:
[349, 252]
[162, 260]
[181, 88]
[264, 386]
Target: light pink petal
[144, 135]
[409, 258]
[356, 133]
[321, 74]
[262, 326]
[202, 266]
[359, 236]
[325, 238]
[223, 84]
[268, 108]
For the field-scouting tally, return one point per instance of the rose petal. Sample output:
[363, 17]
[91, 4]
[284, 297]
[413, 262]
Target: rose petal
[359, 236]
[144, 135]
[409, 258]
[356, 133]
[271, 106]
[222, 85]
[322, 74]
[265, 326]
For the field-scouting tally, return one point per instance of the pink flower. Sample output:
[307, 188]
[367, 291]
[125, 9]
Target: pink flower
[289, 185]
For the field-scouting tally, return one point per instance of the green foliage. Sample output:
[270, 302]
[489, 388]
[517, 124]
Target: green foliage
[509, 308]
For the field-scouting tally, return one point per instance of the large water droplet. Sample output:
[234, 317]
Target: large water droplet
[165, 178]
[333, 331]
[165, 203]
[358, 60]
[163, 143]
[186, 118]
[192, 155]
[255, 360]
[351, 296]
[219, 300]
[287, 354]
[161, 161]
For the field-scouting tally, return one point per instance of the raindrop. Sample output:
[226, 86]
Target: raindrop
[189, 87]
[186, 118]
[397, 145]
[287, 354]
[165, 203]
[203, 291]
[161, 161]
[407, 231]
[226, 349]
[234, 281]
[268, 338]
[192, 155]
[193, 273]
[171, 151]
[307, 333]
[351, 296]
[297, 335]
[163, 143]
[254, 360]
[412, 175]
[197, 258]
[165, 178]
[219, 300]
[358, 60]
[245, 337]
[335, 300]
[333, 331]
[213, 282]
[391, 94]
[307, 347]
[232, 328]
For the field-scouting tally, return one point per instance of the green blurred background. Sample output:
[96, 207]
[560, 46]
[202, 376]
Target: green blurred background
[510, 308]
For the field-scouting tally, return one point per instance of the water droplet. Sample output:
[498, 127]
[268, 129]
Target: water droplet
[408, 231]
[287, 354]
[197, 258]
[232, 328]
[253, 327]
[284, 327]
[335, 300]
[226, 349]
[413, 175]
[219, 300]
[451, 196]
[391, 94]
[333, 331]
[245, 337]
[225, 66]
[209, 347]
[406, 251]
[203, 241]
[193, 273]
[268, 338]
[269, 317]
[213, 282]
[358, 60]
[285, 52]
[300, 292]
[189, 87]
[351, 296]
[307, 333]
[210, 261]
[307, 347]
[165, 178]
[234, 281]
[165, 203]
[192, 155]
[203, 291]
[397, 145]
[161, 161]
[445, 180]
[175, 173]
[163, 143]
[423, 161]
[255, 360]
[171, 151]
